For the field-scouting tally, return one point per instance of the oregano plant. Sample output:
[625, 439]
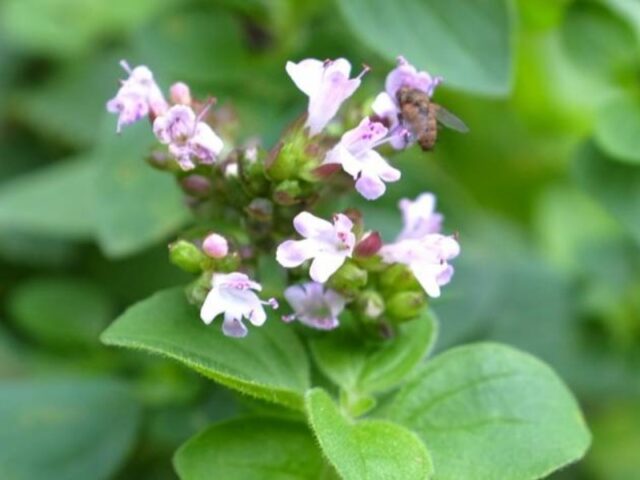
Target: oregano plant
[296, 302]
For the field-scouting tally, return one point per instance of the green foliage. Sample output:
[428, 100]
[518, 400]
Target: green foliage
[372, 449]
[488, 411]
[269, 364]
[251, 448]
[45, 423]
[57, 311]
[471, 42]
[617, 128]
[136, 206]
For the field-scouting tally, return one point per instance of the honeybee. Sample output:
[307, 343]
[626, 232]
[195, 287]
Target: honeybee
[422, 116]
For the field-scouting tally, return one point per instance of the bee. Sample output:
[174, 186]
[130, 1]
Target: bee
[422, 116]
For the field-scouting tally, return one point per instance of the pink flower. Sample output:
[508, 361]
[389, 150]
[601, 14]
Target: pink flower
[215, 246]
[314, 305]
[327, 244]
[355, 152]
[386, 104]
[233, 294]
[419, 217]
[327, 84]
[427, 259]
[188, 136]
[138, 96]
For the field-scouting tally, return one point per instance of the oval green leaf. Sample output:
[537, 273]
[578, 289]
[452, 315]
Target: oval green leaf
[371, 449]
[488, 411]
[468, 43]
[617, 127]
[269, 363]
[251, 449]
[65, 429]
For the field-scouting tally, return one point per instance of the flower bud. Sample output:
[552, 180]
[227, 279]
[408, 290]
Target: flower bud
[186, 256]
[159, 160]
[348, 279]
[215, 246]
[370, 304]
[405, 306]
[398, 278]
[180, 93]
[196, 185]
[369, 245]
[287, 192]
[260, 209]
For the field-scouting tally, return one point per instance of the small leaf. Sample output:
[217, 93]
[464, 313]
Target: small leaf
[362, 367]
[60, 311]
[136, 205]
[371, 449]
[270, 363]
[251, 448]
[65, 429]
[487, 411]
[57, 200]
[617, 127]
[468, 43]
[615, 186]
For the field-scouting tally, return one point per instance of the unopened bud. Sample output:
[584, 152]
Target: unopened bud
[216, 246]
[398, 278]
[370, 244]
[260, 209]
[370, 304]
[287, 192]
[196, 185]
[406, 305]
[159, 159]
[187, 256]
[180, 93]
[349, 279]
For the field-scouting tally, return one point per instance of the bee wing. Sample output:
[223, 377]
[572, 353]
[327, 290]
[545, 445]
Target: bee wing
[449, 120]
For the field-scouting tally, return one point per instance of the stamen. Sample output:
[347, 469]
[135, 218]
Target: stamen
[272, 302]
[211, 101]
[365, 69]
[125, 66]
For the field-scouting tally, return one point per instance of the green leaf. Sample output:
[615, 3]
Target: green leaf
[57, 200]
[60, 311]
[269, 363]
[68, 28]
[65, 429]
[468, 43]
[617, 127]
[371, 449]
[487, 411]
[137, 206]
[251, 448]
[614, 185]
[358, 366]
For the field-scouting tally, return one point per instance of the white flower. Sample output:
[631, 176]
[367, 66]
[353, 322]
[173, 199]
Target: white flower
[187, 136]
[327, 84]
[314, 305]
[327, 244]
[233, 294]
[355, 152]
[138, 96]
[419, 217]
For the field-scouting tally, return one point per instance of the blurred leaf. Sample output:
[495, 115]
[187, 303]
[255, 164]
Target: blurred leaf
[251, 448]
[36, 250]
[356, 366]
[269, 363]
[371, 449]
[60, 311]
[69, 106]
[615, 453]
[488, 411]
[65, 429]
[468, 43]
[600, 42]
[68, 28]
[617, 128]
[137, 206]
[57, 200]
[615, 186]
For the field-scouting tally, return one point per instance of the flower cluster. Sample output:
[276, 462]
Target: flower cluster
[332, 265]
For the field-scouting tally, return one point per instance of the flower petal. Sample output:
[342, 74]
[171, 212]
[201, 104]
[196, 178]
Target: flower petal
[292, 253]
[310, 226]
[306, 74]
[324, 265]
[233, 327]
[370, 186]
[213, 306]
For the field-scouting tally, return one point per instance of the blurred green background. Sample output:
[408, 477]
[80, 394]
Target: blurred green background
[545, 192]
